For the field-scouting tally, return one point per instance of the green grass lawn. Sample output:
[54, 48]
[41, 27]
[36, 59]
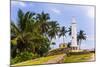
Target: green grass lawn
[77, 58]
[70, 59]
[36, 61]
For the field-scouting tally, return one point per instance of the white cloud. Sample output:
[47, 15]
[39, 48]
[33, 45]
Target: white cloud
[56, 10]
[90, 12]
[18, 3]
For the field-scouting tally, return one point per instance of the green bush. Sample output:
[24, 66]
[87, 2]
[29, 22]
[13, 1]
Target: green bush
[15, 60]
[27, 55]
[23, 56]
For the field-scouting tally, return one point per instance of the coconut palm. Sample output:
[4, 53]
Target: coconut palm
[53, 30]
[21, 31]
[23, 34]
[42, 20]
[81, 36]
[69, 31]
[25, 20]
[63, 32]
[27, 33]
[47, 27]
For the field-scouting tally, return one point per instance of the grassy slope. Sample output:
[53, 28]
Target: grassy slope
[78, 58]
[70, 59]
[36, 61]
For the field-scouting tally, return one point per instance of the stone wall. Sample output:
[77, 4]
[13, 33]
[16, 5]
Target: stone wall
[58, 51]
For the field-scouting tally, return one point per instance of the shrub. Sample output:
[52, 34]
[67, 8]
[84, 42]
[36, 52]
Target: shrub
[23, 56]
[15, 60]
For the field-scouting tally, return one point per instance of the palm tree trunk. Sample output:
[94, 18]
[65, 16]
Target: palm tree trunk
[80, 44]
[63, 40]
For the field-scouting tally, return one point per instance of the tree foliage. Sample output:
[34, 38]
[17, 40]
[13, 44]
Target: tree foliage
[33, 32]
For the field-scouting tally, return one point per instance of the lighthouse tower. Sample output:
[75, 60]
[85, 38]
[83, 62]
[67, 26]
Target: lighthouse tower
[74, 45]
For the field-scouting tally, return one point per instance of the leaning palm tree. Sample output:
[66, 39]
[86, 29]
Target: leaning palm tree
[63, 32]
[81, 36]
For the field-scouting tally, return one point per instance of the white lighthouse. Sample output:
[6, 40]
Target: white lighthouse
[74, 45]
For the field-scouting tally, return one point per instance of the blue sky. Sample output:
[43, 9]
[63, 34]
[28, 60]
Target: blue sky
[63, 13]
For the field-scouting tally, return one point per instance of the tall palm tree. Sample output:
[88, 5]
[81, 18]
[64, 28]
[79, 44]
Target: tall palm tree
[25, 20]
[53, 29]
[27, 33]
[47, 27]
[63, 32]
[42, 20]
[22, 33]
[81, 36]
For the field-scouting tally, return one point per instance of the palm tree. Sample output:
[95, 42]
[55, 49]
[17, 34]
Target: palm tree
[42, 20]
[81, 36]
[63, 32]
[25, 20]
[47, 27]
[28, 33]
[53, 30]
[23, 34]
[69, 31]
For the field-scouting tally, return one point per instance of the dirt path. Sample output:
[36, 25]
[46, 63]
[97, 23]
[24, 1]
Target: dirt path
[56, 60]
